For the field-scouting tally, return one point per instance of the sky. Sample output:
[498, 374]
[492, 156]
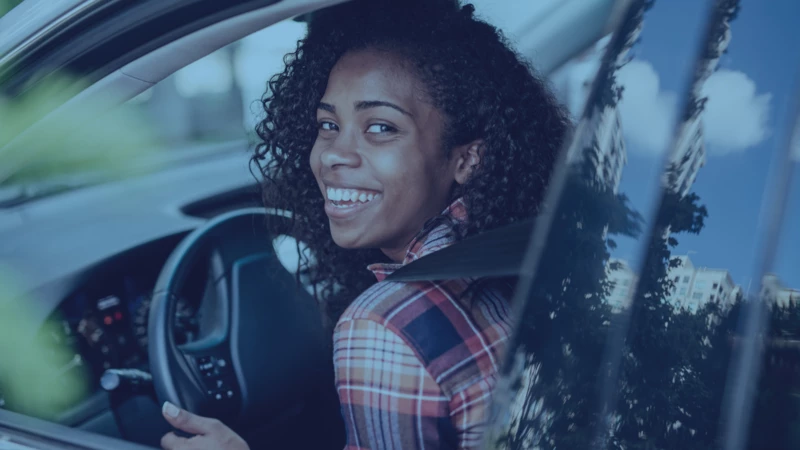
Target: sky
[744, 122]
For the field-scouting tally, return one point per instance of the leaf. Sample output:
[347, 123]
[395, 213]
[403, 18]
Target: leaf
[32, 376]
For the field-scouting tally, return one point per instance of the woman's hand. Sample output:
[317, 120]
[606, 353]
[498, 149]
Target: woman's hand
[209, 433]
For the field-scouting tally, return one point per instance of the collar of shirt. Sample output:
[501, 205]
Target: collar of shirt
[436, 234]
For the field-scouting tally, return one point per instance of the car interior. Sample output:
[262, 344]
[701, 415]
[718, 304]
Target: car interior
[172, 303]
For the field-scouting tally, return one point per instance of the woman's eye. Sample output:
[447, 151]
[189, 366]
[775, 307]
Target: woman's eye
[328, 126]
[380, 128]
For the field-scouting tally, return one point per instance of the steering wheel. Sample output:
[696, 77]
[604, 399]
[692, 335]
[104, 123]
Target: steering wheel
[261, 358]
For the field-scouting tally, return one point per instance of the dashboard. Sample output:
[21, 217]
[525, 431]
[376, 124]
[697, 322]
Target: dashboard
[103, 323]
[87, 261]
[105, 326]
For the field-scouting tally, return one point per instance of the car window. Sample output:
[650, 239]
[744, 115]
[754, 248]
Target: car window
[639, 316]
[217, 98]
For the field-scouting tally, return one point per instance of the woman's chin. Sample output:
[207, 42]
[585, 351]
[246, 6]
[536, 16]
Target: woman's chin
[349, 239]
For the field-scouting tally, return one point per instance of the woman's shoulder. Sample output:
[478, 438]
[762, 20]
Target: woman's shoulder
[437, 322]
[398, 302]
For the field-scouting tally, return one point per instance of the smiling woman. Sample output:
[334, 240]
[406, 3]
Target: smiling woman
[395, 131]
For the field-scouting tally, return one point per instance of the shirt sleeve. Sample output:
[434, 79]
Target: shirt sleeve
[468, 412]
[389, 400]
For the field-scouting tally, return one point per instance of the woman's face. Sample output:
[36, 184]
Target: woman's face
[378, 157]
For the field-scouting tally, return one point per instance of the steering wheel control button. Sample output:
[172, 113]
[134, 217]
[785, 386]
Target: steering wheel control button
[208, 366]
[218, 378]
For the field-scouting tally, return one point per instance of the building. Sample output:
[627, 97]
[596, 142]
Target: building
[690, 153]
[623, 280]
[604, 138]
[775, 292]
[696, 286]
[607, 147]
[693, 286]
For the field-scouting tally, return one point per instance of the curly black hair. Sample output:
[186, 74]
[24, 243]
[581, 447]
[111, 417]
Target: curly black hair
[484, 89]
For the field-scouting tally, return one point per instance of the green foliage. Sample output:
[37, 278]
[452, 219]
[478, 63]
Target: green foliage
[33, 378]
[93, 139]
[8, 5]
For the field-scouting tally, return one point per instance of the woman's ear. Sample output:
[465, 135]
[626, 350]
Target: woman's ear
[467, 159]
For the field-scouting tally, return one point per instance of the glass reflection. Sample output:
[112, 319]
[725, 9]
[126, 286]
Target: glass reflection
[762, 407]
[632, 327]
[548, 400]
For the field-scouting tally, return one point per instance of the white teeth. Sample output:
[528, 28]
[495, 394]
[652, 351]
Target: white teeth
[348, 195]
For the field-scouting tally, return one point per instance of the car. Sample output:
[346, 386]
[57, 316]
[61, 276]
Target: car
[147, 284]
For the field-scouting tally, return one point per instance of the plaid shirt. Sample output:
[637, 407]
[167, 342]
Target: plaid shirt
[416, 362]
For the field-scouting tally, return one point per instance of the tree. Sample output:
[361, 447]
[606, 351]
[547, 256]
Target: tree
[659, 383]
[716, 44]
[777, 404]
[664, 393]
[566, 319]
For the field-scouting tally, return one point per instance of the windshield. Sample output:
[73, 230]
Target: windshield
[208, 107]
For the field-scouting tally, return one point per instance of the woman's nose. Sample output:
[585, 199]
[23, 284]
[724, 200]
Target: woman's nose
[342, 152]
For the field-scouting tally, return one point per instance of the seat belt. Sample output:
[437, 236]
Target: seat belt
[494, 253]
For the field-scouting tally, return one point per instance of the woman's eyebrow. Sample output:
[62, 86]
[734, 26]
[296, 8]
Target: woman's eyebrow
[327, 107]
[367, 104]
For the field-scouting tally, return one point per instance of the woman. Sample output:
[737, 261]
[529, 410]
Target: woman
[396, 129]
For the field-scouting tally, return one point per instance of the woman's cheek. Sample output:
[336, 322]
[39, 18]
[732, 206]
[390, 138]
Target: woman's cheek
[393, 167]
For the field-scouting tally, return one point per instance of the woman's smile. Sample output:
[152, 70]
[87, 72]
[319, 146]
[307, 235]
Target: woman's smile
[347, 203]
